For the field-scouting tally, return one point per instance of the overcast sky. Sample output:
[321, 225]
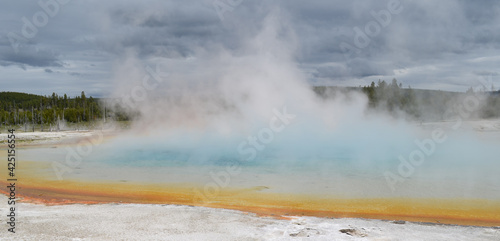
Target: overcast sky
[446, 45]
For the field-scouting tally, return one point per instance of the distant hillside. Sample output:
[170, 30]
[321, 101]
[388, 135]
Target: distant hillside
[22, 108]
[496, 93]
[18, 97]
[419, 104]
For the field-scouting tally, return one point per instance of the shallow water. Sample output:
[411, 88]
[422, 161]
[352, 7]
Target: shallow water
[337, 173]
[458, 183]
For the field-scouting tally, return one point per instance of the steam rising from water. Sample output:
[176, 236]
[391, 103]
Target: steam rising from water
[220, 97]
[211, 102]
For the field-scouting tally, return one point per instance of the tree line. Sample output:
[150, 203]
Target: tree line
[21, 108]
[29, 109]
[425, 105]
[431, 104]
[392, 97]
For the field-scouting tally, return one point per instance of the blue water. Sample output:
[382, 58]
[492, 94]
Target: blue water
[340, 160]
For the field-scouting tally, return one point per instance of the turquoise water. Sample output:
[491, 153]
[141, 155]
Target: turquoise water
[341, 162]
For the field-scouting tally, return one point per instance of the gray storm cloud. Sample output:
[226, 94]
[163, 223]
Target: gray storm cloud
[444, 34]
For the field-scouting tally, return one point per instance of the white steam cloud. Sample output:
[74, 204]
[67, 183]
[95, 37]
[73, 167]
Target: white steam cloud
[210, 105]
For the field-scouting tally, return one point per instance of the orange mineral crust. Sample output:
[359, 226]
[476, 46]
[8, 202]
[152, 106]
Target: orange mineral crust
[35, 184]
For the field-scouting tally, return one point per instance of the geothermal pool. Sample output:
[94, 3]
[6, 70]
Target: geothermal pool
[457, 183]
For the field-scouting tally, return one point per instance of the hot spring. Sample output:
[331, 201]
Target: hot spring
[303, 171]
[242, 129]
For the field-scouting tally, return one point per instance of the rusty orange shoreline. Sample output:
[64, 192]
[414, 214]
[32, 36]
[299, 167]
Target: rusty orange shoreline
[445, 211]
